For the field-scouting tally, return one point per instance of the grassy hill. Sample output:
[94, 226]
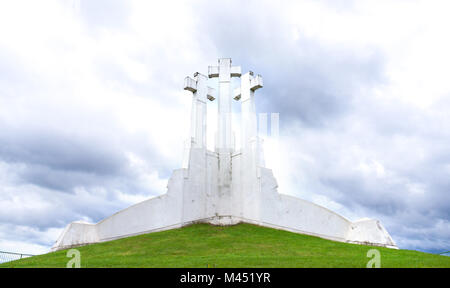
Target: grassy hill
[242, 245]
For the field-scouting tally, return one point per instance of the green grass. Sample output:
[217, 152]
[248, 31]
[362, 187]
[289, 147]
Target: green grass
[243, 245]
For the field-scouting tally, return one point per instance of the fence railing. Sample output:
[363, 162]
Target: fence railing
[10, 256]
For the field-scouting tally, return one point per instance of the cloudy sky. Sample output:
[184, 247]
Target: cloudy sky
[93, 117]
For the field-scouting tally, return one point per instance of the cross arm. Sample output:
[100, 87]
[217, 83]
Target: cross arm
[235, 71]
[190, 84]
[211, 94]
[213, 71]
[256, 83]
[237, 94]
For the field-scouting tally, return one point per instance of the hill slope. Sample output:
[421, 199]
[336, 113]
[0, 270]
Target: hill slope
[242, 245]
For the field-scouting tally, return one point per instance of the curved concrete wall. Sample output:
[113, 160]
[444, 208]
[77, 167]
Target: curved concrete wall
[75, 234]
[294, 214]
[370, 232]
[159, 213]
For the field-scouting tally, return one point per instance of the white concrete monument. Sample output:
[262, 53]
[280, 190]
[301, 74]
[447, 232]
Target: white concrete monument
[225, 186]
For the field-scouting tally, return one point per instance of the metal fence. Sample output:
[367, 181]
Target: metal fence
[9, 256]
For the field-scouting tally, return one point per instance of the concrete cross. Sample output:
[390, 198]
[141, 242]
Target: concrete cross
[251, 83]
[201, 92]
[246, 93]
[224, 71]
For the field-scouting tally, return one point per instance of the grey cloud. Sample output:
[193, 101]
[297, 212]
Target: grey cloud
[51, 209]
[60, 152]
[317, 87]
[63, 165]
[304, 80]
[23, 233]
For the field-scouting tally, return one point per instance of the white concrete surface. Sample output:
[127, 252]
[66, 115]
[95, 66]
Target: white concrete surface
[225, 186]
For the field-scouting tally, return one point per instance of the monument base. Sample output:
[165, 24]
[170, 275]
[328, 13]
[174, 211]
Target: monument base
[190, 200]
